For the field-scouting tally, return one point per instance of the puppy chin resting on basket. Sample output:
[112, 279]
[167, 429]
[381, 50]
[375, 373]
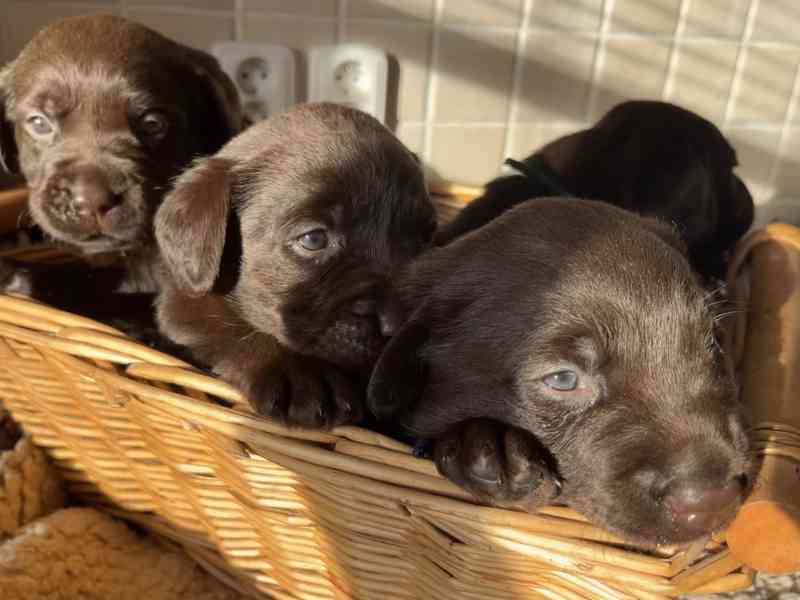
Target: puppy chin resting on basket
[279, 253]
[565, 352]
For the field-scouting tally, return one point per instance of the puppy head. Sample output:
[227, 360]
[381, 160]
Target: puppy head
[99, 113]
[661, 160]
[327, 205]
[584, 325]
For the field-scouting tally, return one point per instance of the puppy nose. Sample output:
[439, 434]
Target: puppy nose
[89, 192]
[697, 507]
[388, 321]
[92, 193]
[364, 307]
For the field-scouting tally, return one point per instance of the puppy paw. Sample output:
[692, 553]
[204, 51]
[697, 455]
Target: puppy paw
[500, 465]
[302, 391]
[15, 279]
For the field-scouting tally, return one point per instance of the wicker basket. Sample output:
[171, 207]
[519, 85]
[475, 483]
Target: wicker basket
[295, 514]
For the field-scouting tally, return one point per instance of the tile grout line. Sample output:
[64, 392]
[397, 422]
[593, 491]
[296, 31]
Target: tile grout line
[788, 119]
[742, 125]
[341, 21]
[675, 50]
[741, 59]
[516, 79]
[463, 27]
[238, 20]
[599, 59]
[433, 82]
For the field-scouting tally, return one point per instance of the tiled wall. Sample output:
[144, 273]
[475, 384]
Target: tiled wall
[480, 80]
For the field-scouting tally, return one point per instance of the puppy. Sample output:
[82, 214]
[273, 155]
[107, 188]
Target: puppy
[279, 254]
[551, 357]
[99, 114]
[653, 158]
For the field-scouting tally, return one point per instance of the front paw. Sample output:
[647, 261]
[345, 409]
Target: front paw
[498, 464]
[306, 392]
[14, 278]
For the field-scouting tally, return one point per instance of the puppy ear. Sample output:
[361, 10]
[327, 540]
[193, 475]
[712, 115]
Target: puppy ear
[8, 145]
[668, 232]
[190, 224]
[738, 213]
[399, 377]
[219, 111]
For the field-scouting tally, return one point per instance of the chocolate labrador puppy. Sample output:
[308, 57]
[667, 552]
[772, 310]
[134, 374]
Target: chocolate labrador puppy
[552, 358]
[653, 158]
[100, 113]
[280, 252]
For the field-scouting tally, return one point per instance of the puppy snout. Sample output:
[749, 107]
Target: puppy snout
[698, 507]
[364, 307]
[82, 194]
[387, 318]
[91, 192]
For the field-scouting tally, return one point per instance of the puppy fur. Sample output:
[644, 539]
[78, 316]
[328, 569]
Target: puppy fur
[548, 287]
[653, 158]
[100, 114]
[280, 252]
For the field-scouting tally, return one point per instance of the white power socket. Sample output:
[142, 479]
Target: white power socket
[264, 75]
[351, 74]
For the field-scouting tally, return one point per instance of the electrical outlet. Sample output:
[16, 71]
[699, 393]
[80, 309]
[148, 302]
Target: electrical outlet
[350, 74]
[264, 75]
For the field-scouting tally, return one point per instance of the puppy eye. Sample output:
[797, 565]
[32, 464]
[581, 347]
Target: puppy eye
[39, 125]
[154, 124]
[314, 241]
[562, 381]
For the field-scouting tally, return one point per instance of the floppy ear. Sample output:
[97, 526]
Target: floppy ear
[737, 215]
[8, 145]
[190, 225]
[219, 109]
[399, 377]
[668, 232]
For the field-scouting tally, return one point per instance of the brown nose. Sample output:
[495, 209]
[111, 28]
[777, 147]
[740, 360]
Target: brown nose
[698, 508]
[388, 320]
[87, 192]
[91, 192]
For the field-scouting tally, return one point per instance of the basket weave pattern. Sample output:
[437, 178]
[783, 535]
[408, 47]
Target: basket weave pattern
[297, 514]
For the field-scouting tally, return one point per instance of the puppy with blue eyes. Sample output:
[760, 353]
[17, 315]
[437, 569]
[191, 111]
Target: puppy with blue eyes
[279, 254]
[100, 114]
[551, 357]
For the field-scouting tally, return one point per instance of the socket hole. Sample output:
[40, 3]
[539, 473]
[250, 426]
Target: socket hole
[351, 79]
[251, 74]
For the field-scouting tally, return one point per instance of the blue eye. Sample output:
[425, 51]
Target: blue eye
[562, 381]
[39, 125]
[314, 241]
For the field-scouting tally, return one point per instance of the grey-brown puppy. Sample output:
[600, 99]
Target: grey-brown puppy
[99, 114]
[545, 351]
[280, 252]
[653, 158]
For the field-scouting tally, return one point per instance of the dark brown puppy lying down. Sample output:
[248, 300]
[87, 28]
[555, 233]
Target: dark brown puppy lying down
[565, 351]
[653, 158]
[100, 114]
[280, 251]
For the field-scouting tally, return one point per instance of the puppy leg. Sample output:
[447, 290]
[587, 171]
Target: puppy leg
[304, 391]
[499, 464]
[74, 287]
[296, 389]
[399, 377]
